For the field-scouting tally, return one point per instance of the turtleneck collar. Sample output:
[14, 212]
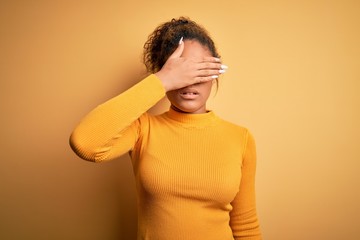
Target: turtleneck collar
[196, 120]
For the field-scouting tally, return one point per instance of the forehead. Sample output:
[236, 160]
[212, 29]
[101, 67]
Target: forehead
[193, 48]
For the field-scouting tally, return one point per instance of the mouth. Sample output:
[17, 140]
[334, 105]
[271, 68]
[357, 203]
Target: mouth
[188, 93]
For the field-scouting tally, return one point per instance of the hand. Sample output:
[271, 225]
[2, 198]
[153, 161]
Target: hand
[179, 72]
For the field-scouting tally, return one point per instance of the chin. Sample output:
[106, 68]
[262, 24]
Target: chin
[188, 109]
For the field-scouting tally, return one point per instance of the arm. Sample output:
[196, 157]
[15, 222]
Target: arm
[112, 128]
[243, 217]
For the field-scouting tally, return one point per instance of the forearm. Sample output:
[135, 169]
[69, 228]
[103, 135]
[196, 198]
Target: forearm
[98, 130]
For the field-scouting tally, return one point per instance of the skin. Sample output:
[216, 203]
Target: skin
[188, 75]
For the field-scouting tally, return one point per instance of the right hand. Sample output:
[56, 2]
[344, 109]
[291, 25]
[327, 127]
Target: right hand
[179, 72]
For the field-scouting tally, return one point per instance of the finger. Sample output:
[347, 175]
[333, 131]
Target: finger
[205, 60]
[209, 59]
[205, 79]
[179, 50]
[214, 60]
[207, 73]
[211, 65]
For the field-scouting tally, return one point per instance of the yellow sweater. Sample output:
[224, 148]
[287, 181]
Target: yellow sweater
[195, 173]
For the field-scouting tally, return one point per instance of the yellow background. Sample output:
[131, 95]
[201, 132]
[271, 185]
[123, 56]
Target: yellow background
[293, 80]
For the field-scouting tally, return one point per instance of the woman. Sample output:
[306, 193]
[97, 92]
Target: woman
[194, 172]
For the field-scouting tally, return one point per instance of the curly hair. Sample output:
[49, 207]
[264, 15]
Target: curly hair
[163, 41]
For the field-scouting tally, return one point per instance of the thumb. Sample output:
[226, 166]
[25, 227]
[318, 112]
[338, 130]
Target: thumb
[178, 51]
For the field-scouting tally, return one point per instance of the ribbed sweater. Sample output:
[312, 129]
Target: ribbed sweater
[194, 173]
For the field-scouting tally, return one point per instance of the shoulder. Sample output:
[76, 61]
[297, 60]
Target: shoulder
[233, 127]
[150, 119]
[238, 135]
[236, 131]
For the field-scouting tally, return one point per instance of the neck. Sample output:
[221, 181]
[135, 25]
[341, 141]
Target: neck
[199, 111]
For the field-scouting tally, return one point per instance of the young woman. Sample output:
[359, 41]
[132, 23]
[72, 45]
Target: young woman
[195, 173]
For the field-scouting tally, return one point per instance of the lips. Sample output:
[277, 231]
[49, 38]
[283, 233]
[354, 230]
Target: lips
[188, 93]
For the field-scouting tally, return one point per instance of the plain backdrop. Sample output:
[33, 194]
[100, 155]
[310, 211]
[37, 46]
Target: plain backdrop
[293, 80]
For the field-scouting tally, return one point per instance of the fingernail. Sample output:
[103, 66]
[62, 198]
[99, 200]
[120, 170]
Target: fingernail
[214, 76]
[217, 59]
[181, 40]
[224, 67]
[222, 71]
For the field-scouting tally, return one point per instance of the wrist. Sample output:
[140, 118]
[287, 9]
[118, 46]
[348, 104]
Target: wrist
[160, 75]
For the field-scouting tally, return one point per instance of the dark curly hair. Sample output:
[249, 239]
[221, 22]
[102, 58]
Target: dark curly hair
[164, 40]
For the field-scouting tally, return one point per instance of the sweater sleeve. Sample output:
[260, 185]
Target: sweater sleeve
[112, 128]
[243, 217]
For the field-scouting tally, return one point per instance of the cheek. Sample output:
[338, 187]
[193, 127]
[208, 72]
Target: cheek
[206, 88]
[171, 95]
